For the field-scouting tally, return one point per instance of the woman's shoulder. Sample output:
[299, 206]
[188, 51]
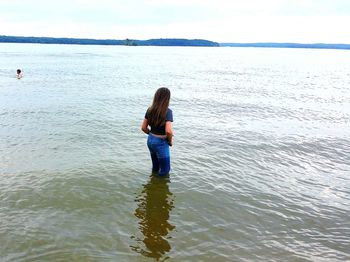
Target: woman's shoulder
[169, 115]
[169, 112]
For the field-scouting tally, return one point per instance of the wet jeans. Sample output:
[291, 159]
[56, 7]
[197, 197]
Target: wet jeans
[160, 154]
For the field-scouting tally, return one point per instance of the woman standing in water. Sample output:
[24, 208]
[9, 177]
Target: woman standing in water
[159, 118]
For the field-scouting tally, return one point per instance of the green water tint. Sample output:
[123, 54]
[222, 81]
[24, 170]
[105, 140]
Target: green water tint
[153, 211]
[268, 179]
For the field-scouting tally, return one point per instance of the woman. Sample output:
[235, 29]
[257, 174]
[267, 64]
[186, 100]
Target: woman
[159, 118]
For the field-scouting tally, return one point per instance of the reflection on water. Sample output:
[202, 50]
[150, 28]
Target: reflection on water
[153, 210]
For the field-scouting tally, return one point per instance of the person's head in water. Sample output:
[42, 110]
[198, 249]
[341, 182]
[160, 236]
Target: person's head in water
[19, 71]
[159, 107]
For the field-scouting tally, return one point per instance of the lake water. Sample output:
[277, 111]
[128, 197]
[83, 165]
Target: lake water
[260, 162]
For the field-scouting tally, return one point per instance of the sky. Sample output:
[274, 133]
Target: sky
[302, 21]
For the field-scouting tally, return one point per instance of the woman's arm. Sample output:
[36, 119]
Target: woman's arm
[169, 132]
[144, 126]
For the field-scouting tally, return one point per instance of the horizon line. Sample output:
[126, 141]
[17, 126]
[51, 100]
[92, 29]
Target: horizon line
[182, 38]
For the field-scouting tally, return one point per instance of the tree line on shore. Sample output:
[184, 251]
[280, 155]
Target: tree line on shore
[128, 42]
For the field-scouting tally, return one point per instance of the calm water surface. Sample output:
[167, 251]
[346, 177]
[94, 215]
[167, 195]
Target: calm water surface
[260, 162]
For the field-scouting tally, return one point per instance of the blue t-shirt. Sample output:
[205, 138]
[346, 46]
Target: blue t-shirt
[160, 130]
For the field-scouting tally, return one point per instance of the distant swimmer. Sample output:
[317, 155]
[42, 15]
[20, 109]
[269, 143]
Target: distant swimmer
[19, 74]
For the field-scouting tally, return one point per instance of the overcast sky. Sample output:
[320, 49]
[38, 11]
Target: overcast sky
[304, 21]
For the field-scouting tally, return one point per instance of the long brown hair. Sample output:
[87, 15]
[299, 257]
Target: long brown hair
[157, 111]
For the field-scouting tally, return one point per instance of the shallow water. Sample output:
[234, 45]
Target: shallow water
[260, 162]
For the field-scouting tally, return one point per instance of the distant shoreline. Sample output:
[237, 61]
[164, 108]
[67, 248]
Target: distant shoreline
[126, 42]
[289, 45]
[163, 42]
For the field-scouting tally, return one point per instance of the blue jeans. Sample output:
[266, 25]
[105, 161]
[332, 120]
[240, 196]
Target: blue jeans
[160, 154]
